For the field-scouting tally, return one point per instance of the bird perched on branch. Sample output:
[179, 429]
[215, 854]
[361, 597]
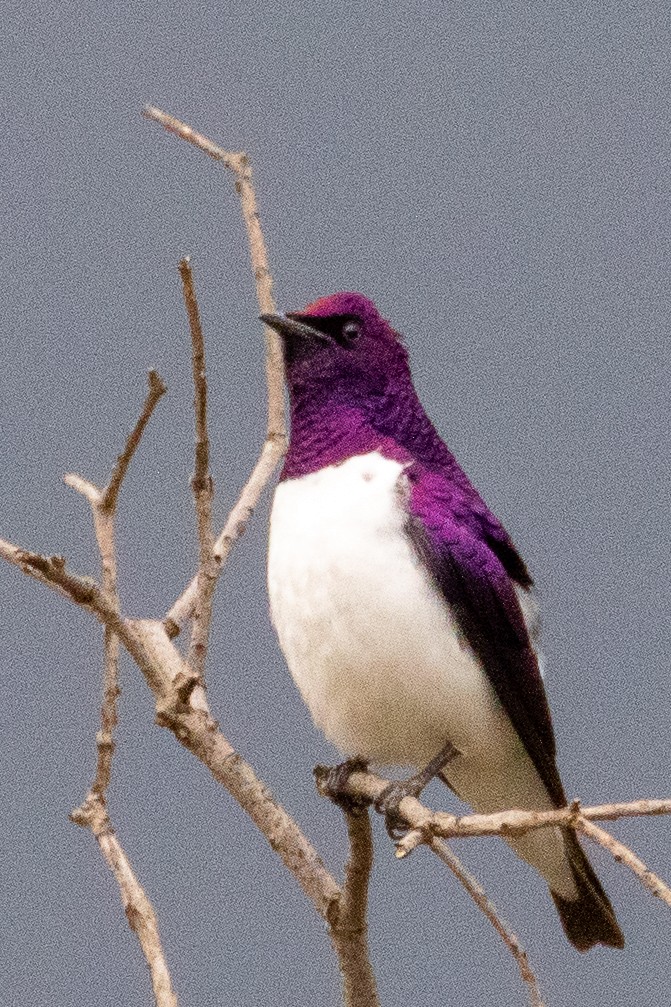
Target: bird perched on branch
[403, 609]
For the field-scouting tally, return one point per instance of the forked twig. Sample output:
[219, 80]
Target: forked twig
[181, 706]
[103, 507]
[93, 813]
[428, 827]
[484, 903]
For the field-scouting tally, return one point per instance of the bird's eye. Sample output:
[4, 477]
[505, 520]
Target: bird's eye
[351, 331]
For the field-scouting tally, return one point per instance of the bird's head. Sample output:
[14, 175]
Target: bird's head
[340, 346]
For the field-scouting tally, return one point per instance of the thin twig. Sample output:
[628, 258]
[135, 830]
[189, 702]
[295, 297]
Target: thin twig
[184, 132]
[369, 787]
[233, 530]
[202, 484]
[482, 901]
[275, 443]
[516, 822]
[139, 910]
[111, 492]
[51, 570]
[624, 855]
[349, 930]
[103, 521]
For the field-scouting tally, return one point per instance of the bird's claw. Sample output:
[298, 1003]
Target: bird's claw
[388, 804]
[332, 783]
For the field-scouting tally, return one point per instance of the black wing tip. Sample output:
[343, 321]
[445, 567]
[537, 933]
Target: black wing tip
[589, 919]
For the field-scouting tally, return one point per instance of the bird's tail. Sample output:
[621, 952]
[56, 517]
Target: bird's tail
[589, 919]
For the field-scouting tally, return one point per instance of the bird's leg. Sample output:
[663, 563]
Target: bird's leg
[332, 781]
[389, 800]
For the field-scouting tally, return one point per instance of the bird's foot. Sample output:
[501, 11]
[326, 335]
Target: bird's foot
[388, 803]
[332, 783]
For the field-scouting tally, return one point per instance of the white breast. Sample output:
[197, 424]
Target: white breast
[368, 639]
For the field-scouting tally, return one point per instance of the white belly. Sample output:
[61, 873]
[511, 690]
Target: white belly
[372, 645]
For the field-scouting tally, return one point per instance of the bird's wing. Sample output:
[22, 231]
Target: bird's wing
[476, 585]
[471, 510]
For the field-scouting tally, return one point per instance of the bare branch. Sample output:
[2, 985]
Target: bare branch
[202, 485]
[103, 519]
[233, 530]
[182, 707]
[103, 506]
[503, 929]
[184, 132]
[201, 476]
[105, 743]
[368, 787]
[104, 605]
[83, 486]
[22, 558]
[278, 827]
[349, 930]
[111, 492]
[139, 910]
[275, 443]
[357, 870]
[425, 826]
[625, 856]
[517, 822]
[238, 163]
[178, 707]
[50, 570]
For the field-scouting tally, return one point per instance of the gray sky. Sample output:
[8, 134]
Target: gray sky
[496, 177]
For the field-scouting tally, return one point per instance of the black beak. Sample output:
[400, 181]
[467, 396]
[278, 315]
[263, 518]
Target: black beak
[292, 330]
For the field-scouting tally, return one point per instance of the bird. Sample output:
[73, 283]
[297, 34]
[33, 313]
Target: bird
[405, 614]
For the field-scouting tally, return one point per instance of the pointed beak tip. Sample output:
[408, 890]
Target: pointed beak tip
[291, 328]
